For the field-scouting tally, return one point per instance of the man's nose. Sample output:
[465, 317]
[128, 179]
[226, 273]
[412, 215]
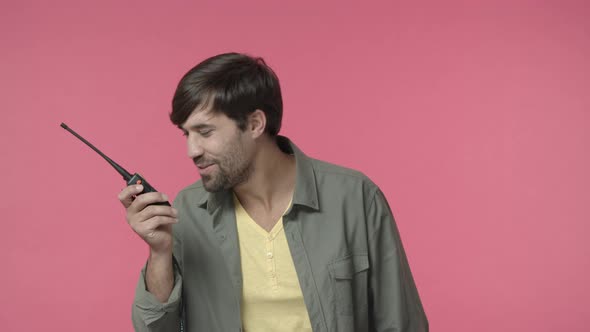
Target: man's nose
[194, 149]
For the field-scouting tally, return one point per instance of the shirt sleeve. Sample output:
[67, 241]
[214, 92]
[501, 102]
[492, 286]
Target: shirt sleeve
[394, 301]
[149, 314]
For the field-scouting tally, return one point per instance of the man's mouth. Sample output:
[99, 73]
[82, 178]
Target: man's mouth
[204, 168]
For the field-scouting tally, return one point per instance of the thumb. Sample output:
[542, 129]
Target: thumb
[127, 195]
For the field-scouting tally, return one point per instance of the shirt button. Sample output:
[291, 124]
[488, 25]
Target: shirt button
[269, 254]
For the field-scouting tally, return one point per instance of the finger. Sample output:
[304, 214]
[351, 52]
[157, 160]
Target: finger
[128, 193]
[156, 210]
[149, 227]
[146, 199]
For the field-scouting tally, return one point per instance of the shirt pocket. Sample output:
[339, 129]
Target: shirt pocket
[350, 283]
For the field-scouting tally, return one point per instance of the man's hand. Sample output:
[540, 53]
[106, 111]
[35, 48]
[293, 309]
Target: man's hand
[153, 223]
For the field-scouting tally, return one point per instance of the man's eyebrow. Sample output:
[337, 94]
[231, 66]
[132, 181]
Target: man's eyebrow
[200, 126]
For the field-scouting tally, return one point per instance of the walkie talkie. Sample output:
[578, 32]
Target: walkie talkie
[130, 179]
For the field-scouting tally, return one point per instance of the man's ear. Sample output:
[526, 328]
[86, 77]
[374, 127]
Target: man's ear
[256, 123]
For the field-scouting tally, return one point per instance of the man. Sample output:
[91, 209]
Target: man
[269, 239]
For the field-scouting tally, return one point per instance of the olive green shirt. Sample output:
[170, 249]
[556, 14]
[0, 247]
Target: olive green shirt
[347, 252]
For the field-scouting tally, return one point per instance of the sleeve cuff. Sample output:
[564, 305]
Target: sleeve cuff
[148, 307]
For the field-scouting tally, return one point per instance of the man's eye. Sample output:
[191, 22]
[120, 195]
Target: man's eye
[206, 133]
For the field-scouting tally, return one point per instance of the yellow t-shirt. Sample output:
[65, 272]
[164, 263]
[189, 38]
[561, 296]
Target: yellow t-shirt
[271, 294]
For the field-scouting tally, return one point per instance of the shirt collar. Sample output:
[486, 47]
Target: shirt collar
[305, 194]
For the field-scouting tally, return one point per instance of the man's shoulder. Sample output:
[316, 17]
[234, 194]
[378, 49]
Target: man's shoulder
[333, 173]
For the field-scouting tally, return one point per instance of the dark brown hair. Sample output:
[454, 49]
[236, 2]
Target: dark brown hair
[235, 85]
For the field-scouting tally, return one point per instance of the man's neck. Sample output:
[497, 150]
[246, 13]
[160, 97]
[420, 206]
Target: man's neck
[272, 181]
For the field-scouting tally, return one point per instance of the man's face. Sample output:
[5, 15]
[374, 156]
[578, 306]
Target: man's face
[220, 150]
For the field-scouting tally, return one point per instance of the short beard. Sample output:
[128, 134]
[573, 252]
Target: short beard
[227, 180]
[233, 170]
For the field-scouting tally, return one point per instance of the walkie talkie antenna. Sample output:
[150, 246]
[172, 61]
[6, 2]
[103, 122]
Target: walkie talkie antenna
[126, 175]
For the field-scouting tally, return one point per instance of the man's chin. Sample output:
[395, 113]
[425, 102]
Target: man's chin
[210, 186]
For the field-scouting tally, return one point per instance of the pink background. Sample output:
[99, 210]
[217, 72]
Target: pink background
[472, 117]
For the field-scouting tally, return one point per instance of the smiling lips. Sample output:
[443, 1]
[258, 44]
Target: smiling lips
[204, 168]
